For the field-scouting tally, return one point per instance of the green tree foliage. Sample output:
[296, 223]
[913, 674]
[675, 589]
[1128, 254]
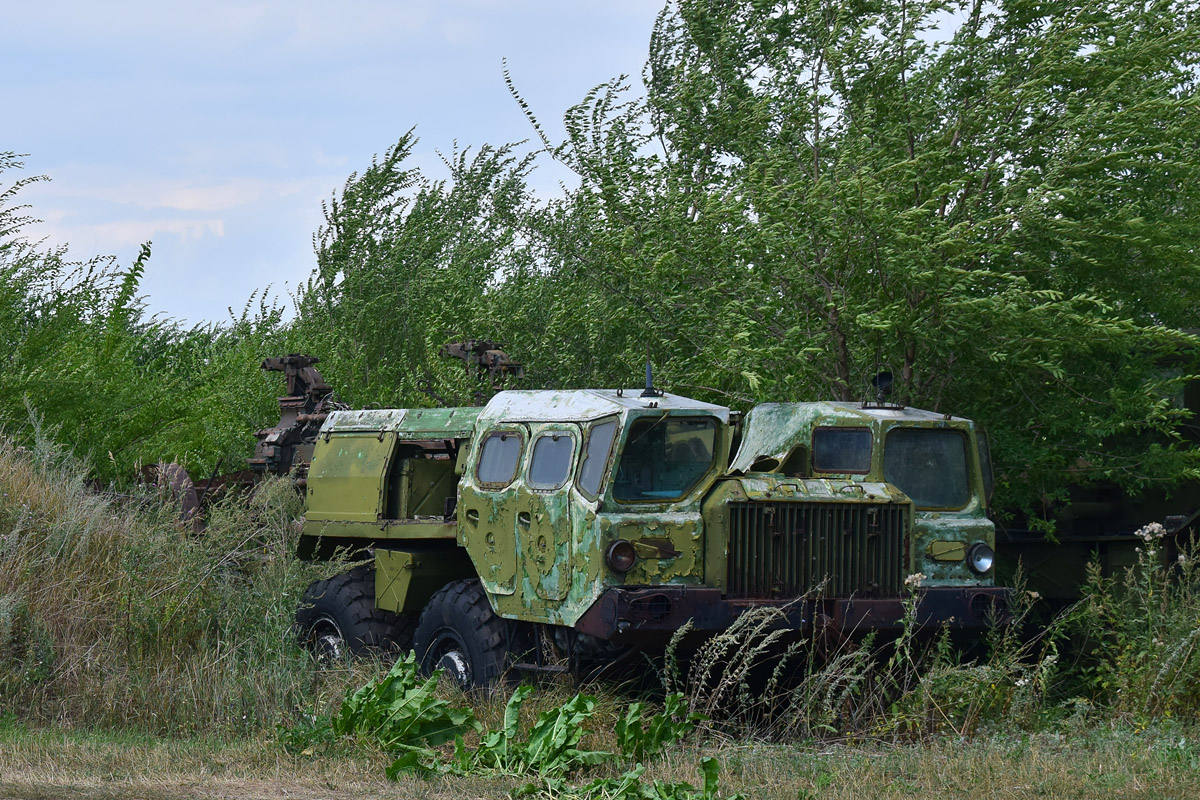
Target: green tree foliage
[405, 263]
[82, 359]
[996, 202]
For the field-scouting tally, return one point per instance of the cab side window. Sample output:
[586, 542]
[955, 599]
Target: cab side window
[498, 458]
[595, 456]
[550, 463]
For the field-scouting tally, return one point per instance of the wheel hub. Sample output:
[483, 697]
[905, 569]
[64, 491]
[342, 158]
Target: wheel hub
[327, 641]
[454, 663]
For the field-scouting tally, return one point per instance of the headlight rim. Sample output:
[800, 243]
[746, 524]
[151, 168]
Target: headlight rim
[611, 556]
[981, 551]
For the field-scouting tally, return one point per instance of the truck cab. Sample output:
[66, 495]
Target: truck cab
[912, 489]
[565, 494]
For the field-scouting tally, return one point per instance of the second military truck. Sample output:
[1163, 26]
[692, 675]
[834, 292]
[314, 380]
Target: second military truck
[554, 529]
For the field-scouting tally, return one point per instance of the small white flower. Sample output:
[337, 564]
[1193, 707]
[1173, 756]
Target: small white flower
[1148, 533]
[915, 579]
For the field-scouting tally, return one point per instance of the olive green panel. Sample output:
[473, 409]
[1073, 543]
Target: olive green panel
[716, 530]
[404, 581]
[346, 479]
[409, 423]
[941, 550]
[670, 548]
[486, 520]
[544, 533]
[543, 523]
[433, 481]
[386, 530]
[941, 541]
[449, 423]
[393, 575]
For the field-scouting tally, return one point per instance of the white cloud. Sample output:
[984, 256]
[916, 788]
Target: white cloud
[116, 235]
[177, 195]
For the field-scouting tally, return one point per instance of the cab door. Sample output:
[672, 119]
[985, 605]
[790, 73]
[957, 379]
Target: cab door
[487, 505]
[543, 523]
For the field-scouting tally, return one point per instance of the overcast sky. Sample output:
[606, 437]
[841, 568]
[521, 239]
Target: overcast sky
[216, 129]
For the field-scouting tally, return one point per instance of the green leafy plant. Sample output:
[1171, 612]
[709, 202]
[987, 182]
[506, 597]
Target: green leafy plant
[629, 786]
[550, 748]
[307, 735]
[640, 738]
[400, 711]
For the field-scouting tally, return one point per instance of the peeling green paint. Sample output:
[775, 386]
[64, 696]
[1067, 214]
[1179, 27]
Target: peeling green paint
[539, 544]
[774, 462]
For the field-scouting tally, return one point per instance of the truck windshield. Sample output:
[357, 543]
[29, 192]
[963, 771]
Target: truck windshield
[664, 457]
[929, 465]
[841, 450]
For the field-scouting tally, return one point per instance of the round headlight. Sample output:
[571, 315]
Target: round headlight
[621, 556]
[981, 558]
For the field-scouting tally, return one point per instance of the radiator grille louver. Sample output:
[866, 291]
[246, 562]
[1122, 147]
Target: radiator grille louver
[782, 550]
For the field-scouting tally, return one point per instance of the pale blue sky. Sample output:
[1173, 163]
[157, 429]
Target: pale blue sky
[216, 129]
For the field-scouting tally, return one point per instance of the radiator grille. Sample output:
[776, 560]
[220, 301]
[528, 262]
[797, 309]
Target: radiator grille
[781, 550]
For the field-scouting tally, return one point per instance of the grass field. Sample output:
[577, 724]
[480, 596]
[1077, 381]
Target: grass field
[1160, 763]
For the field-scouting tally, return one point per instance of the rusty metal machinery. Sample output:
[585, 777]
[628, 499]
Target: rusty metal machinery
[287, 447]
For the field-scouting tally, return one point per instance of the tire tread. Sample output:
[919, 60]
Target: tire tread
[349, 600]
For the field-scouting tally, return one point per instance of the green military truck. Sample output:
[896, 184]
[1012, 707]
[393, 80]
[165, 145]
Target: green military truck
[549, 530]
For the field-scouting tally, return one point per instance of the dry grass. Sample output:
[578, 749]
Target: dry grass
[114, 614]
[1157, 763]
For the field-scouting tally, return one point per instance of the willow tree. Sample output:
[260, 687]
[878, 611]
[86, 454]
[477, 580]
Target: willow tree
[995, 201]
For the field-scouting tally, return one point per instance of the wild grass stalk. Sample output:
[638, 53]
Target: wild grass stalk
[112, 613]
[756, 678]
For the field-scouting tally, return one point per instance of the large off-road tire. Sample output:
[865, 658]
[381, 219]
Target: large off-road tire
[458, 632]
[338, 617]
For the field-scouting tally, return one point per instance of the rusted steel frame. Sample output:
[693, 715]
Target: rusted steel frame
[651, 615]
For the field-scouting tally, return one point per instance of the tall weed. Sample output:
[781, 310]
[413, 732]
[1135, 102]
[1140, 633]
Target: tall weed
[758, 678]
[112, 613]
[1138, 632]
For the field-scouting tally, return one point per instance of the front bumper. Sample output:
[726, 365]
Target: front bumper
[651, 615]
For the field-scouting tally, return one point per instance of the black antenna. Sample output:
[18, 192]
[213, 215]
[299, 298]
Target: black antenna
[649, 391]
